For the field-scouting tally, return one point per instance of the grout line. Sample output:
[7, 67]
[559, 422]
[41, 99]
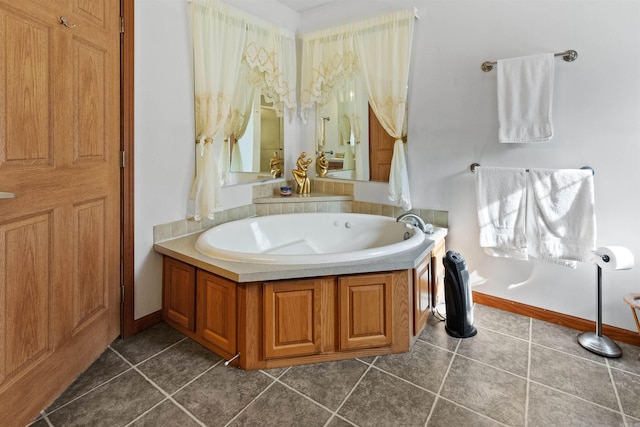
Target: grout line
[569, 354]
[494, 421]
[444, 378]
[154, 354]
[491, 366]
[97, 386]
[526, 399]
[147, 411]
[574, 396]
[252, 400]
[615, 390]
[160, 389]
[504, 333]
[335, 413]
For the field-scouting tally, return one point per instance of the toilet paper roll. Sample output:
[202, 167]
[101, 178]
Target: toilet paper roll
[614, 258]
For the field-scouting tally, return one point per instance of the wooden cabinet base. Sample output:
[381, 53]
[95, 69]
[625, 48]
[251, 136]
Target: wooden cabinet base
[300, 321]
[327, 325]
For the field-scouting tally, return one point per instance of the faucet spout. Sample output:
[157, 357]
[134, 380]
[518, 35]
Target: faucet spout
[417, 221]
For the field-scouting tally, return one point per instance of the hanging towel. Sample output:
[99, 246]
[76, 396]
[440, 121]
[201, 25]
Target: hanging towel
[525, 94]
[501, 203]
[562, 226]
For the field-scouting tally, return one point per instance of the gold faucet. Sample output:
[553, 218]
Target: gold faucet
[300, 174]
[322, 165]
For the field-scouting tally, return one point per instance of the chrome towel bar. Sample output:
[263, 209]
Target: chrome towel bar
[569, 56]
[473, 167]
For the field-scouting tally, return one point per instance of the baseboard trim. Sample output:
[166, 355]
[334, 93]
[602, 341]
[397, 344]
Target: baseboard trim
[613, 332]
[147, 321]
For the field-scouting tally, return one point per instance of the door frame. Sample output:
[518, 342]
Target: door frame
[127, 273]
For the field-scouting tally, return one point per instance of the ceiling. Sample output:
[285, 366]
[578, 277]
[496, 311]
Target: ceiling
[304, 5]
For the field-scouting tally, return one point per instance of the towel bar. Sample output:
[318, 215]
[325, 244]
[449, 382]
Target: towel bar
[473, 166]
[569, 56]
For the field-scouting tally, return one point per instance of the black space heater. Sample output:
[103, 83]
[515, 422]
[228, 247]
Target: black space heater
[457, 297]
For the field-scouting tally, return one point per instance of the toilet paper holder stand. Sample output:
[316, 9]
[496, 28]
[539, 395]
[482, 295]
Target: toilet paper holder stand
[595, 342]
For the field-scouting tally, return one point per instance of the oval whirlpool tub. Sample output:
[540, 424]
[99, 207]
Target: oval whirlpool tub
[311, 238]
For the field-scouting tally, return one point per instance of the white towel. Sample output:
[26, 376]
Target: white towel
[501, 203]
[525, 94]
[562, 223]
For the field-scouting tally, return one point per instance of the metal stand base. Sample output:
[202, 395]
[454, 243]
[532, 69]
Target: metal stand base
[601, 345]
[596, 342]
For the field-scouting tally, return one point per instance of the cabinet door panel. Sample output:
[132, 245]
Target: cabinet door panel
[216, 311]
[178, 293]
[437, 271]
[365, 310]
[421, 294]
[292, 320]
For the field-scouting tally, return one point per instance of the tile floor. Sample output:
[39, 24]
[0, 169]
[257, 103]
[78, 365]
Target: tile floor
[515, 371]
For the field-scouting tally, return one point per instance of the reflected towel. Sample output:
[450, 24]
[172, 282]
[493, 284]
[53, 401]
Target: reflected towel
[501, 203]
[562, 226]
[525, 93]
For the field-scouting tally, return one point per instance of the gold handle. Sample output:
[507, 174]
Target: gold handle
[65, 22]
[5, 195]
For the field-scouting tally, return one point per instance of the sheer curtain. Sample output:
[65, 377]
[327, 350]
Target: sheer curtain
[217, 33]
[384, 50]
[236, 125]
[224, 40]
[379, 50]
[328, 57]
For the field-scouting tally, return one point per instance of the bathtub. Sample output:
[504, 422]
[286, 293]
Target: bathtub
[308, 238]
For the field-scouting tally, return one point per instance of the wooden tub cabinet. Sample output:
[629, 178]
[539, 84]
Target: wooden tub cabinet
[289, 322]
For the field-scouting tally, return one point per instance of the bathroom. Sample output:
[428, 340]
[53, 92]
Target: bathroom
[452, 123]
[518, 370]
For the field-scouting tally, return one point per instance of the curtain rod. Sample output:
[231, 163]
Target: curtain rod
[569, 56]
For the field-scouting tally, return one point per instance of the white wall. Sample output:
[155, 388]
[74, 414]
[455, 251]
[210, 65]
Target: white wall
[452, 123]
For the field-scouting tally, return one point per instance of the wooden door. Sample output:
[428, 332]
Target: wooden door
[59, 238]
[380, 150]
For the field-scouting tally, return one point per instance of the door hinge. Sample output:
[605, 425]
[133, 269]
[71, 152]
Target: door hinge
[122, 159]
[122, 25]
[122, 294]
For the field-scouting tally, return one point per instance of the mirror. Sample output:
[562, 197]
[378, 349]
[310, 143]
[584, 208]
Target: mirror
[343, 132]
[251, 154]
[353, 140]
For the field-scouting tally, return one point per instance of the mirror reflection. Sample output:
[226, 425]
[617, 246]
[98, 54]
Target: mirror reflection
[251, 155]
[342, 131]
[352, 139]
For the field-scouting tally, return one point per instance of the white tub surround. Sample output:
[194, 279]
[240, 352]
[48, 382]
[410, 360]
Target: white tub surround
[184, 249]
[312, 238]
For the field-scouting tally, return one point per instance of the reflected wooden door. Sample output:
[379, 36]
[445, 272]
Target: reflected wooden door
[380, 150]
[59, 237]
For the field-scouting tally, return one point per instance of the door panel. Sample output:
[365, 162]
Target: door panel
[25, 279]
[89, 93]
[90, 280]
[59, 239]
[27, 96]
